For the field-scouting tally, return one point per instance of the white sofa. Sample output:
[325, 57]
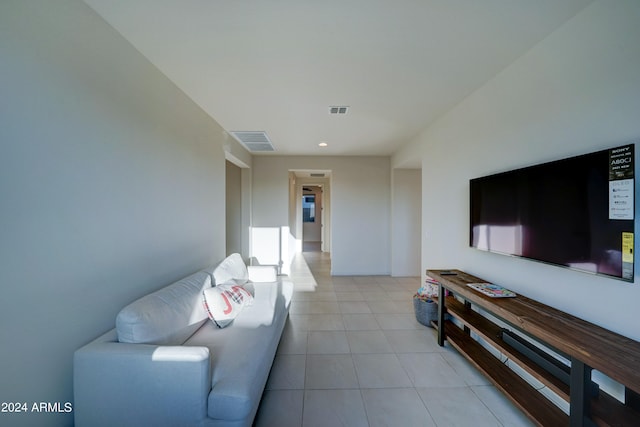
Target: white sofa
[167, 364]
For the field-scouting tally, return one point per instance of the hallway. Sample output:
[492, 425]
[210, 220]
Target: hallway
[352, 354]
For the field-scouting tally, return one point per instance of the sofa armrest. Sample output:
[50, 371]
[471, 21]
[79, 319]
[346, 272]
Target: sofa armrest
[140, 384]
[262, 273]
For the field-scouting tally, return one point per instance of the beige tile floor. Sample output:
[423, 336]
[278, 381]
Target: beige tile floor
[352, 354]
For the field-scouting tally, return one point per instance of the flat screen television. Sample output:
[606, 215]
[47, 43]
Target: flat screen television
[576, 212]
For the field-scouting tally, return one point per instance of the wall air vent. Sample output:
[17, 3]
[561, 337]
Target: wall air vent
[254, 141]
[341, 110]
[316, 175]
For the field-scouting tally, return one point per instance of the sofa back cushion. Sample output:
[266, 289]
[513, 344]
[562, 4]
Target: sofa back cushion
[168, 316]
[231, 268]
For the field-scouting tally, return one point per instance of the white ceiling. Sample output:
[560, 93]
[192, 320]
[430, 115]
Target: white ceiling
[277, 66]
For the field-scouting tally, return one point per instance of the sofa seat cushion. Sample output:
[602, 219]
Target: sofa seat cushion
[243, 352]
[166, 317]
[262, 273]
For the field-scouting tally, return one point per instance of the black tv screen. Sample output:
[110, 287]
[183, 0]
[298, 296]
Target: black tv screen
[576, 212]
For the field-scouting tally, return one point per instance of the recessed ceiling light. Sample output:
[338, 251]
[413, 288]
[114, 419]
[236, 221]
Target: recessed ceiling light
[323, 144]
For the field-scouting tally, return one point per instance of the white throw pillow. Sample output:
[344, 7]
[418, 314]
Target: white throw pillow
[232, 267]
[224, 302]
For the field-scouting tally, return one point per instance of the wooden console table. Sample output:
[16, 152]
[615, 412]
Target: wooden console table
[585, 345]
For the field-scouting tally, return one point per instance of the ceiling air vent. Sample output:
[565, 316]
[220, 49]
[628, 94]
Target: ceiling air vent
[254, 141]
[338, 110]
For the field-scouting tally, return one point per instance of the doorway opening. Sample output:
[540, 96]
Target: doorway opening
[309, 209]
[311, 218]
[233, 206]
[237, 206]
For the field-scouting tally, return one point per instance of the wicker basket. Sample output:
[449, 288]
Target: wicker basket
[425, 311]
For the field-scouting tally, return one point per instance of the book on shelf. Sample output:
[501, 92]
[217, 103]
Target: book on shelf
[492, 290]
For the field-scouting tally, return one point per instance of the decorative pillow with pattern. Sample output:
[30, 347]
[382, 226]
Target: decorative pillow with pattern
[224, 302]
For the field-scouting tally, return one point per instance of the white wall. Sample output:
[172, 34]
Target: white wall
[111, 186]
[576, 92]
[406, 208]
[360, 206]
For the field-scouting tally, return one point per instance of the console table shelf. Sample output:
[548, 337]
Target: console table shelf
[491, 333]
[585, 345]
[535, 405]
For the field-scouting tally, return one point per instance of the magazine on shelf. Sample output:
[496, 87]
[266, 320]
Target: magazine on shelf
[492, 290]
[432, 280]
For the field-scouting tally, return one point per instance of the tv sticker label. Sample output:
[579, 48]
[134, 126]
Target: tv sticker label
[621, 195]
[621, 163]
[627, 255]
[621, 177]
[627, 247]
